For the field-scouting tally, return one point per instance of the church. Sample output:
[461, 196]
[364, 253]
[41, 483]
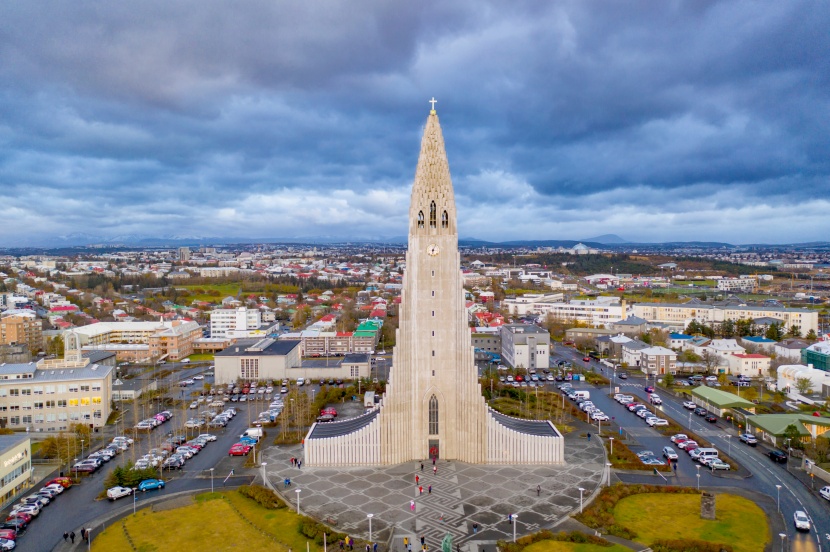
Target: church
[433, 406]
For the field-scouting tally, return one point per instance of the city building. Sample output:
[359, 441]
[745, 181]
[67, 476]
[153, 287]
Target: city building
[595, 312]
[184, 254]
[167, 340]
[760, 343]
[657, 361]
[680, 315]
[525, 346]
[743, 285]
[748, 364]
[531, 303]
[817, 354]
[487, 340]
[790, 349]
[631, 326]
[15, 354]
[789, 374]
[21, 327]
[234, 323]
[15, 465]
[256, 360]
[433, 406]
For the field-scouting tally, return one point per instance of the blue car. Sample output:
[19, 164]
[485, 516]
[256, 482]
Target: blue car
[150, 484]
[248, 441]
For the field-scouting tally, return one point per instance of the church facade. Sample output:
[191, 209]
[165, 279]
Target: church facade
[433, 406]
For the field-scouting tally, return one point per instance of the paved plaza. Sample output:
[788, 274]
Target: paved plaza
[462, 494]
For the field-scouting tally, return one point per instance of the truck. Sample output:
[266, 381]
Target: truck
[369, 399]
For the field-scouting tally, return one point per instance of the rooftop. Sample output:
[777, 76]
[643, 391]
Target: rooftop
[721, 399]
[260, 347]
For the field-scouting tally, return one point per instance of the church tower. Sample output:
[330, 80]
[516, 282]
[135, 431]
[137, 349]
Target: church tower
[433, 404]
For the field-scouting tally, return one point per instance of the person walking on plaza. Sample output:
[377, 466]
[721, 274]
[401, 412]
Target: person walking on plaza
[411, 505]
[538, 489]
[421, 490]
[429, 489]
[417, 479]
[434, 470]
[422, 466]
[475, 528]
[65, 536]
[375, 547]
[72, 537]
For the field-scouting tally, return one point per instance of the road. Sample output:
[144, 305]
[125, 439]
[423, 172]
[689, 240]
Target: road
[766, 475]
[77, 505]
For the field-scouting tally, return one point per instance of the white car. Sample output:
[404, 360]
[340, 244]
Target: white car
[207, 437]
[802, 522]
[194, 405]
[117, 492]
[711, 378]
[31, 509]
[669, 453]
[198, 377]
[600, 417]
[825, 492]
[689, 405]
[679, 437]
[659, 422]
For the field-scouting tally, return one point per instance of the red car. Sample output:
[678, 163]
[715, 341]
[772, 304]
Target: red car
[329, 411]
[20, 515]
[519, 378]
[8, 534]
[586, 359]
[239, 449]
[65, 482]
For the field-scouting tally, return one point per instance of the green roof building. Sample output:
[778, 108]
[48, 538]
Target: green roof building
[771, 427]
[719, 402]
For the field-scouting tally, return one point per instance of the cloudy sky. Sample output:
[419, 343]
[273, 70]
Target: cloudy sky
[563, 120]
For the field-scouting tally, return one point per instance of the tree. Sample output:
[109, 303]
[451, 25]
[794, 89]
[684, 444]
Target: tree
[811, 335]
[727, 329]
[688, 356]
[751, 394]
[668, 379]
[710, 360]
[792, 434]
[774, 332]
[794, 331]
[803, 385]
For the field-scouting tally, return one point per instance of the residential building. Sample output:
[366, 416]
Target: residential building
[678, 341]
[790, 349]
[576, 334]
[743, 285]
[681, 314]
[184, 253]
[631, 326]
[234, 323]
[531, 303]
[721, 347]
[631, 353]
[15, 354]
[760, 343]
[789, 374]
[748, 364]
[595, 312]
[525, 346]
[21, 327]
[656, 361]
[817, 354]
[489, 342]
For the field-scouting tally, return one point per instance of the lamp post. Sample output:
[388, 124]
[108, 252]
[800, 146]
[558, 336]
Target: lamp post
[729, 440]
[690, 419]
[262, 465]
[515, 522]
[76, 468]
[82, 448]
[778, 497]
[88, 539]
[370, 516]
[298, 500]
[611, 440]
[581, 490]
[698, 481]
[211, 480]
[135, 497]
[783, 536]
[608, 465]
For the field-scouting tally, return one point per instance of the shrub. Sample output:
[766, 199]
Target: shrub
[263, 496]
[572, 536]
[687, 545]
[314, 530]
[128, 476]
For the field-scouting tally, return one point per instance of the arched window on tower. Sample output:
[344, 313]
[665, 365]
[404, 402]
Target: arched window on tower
[445, 220]
[420, 219]
[433, 415]
[432, 216]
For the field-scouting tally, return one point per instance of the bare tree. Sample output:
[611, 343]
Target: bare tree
[711, 361]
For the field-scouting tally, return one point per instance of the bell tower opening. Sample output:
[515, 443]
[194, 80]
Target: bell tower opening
[432, 215]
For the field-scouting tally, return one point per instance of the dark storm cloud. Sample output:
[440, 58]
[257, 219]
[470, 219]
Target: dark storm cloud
[270, 119]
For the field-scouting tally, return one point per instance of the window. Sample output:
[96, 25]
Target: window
[37, 390]
[50, 389]
[432, 215]
[14, 392]
[445, 220]
[420, 219]
[26, 392]
[38, 406]
[61, 403]
[73, 402]
[85, 388]
[433, 293]
[433, 415]
[249, 368]
[50, 404]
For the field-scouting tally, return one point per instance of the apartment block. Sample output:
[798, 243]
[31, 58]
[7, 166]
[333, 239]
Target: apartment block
[680, 314]
[21, 327]
[234, 322]
[170, 340]
[525, 346]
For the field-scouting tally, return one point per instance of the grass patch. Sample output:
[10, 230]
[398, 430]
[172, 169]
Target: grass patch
[201, 357]
[740, 523]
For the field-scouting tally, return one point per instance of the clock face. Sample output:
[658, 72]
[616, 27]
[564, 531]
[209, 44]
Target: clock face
[432, 249]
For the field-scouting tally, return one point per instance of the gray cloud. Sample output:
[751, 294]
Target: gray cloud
[694, 120]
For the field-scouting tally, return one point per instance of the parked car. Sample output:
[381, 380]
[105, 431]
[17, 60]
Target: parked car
[670, 454]
[117, 492]
[150, 484]
[649, 389]
[65, 482]
[689, 405]
[802, 522]
[711, 418]
[239, 449]
[6, 544]
[825, 492]
[749, 439]
[778, 456]
[701, 411]
[679, 437]
[717, 464]
[17, 524]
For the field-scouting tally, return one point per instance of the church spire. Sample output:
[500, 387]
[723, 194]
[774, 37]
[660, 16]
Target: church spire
[432, 206]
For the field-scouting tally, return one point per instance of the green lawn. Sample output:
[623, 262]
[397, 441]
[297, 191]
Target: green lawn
[201, 357]
[739, 522]
[557, 546]
[214, 293]
[213, 523]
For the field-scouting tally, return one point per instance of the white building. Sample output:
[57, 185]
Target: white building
[531, 303]
[744, 284]
[525, 346]
[595, 312]
[788, 374]
[751, 365]
[658, 361]
[234, 322]
[680, 314]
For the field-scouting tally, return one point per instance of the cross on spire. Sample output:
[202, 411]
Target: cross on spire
[433, 101]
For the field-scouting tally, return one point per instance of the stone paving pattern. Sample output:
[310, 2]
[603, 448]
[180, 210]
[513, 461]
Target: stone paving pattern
[461, 494]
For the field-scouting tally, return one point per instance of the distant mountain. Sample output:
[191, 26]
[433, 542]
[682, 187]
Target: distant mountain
[607, 239]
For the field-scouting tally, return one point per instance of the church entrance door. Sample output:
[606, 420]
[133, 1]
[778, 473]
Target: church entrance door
[434, 449]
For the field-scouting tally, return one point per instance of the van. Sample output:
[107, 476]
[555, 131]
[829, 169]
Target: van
[582, 395]
[300, 382]
[706, 453]
[255, 432]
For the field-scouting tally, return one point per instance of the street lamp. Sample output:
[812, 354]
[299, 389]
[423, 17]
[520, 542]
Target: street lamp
[82, 448]
[76, 467]
[608, 464]
[370, 516]
[729, 440]
[515, 522]
[778, 497]
[135, 497]
[611, 440]
[698, 481]
[298, 500]
[211, 480]
[581, 490]
[783, 536]
[262, 465]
